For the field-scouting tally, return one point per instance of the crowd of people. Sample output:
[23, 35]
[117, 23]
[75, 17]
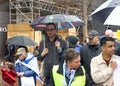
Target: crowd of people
[60, 62]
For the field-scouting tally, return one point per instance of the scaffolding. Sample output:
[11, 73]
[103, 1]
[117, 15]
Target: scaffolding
[27, 10]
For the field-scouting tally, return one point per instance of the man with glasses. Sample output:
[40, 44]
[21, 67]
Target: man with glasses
[51, 51]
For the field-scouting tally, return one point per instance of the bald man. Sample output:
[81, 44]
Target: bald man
[109, 33]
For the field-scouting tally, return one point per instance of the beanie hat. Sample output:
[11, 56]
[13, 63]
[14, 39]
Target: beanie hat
[72, 40]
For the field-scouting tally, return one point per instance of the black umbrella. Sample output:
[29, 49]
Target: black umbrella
[108, 13]
[21, 40]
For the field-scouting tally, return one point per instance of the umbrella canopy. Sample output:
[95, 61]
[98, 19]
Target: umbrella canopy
[114, 17]
[103, 12]
[63, 21]
[21, 40]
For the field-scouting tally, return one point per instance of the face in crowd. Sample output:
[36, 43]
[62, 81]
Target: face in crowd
[51, 30]
[108, 47]
[23, 55]
[93, 37]
[72, 58]
[94, 40]
[75, 63]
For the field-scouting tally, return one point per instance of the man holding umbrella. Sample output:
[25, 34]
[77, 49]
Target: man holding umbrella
[51, 51]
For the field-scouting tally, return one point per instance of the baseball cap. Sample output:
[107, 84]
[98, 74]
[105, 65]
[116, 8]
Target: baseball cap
[92, 34]
[20, 51]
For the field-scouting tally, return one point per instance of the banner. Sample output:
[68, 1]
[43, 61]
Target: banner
[118, 34]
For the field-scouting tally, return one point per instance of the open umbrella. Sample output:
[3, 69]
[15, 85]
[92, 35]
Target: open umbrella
[21, 40]
[108, 12]
[114, 17]
[63, 21]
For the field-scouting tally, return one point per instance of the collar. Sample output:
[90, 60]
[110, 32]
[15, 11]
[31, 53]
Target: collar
[79, 71]
[101, 61]
[96, 47]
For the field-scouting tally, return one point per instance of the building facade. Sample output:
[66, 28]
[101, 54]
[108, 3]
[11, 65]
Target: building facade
[4, 20]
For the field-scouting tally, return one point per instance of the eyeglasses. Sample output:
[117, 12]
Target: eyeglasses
[52, 29]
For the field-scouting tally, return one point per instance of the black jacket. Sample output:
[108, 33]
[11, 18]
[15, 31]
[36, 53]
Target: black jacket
[53, 57]
[87, 52]
[117, 51]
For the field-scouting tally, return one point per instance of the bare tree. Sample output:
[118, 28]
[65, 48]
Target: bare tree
[85, 18]
[90, 4]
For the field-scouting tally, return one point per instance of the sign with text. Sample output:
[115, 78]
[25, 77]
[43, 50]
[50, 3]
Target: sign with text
[3, 29]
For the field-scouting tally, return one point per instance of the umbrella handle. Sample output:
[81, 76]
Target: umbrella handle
[44, 43]
[43, 38]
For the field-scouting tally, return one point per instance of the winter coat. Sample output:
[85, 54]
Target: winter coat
[100, 72]
[87, 52]
[53, 57]
[19, 67]
[117, 51]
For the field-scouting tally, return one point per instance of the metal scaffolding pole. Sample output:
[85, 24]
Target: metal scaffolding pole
[27, 10]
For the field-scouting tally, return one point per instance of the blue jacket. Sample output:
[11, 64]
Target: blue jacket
[27, 71]
[78, 47]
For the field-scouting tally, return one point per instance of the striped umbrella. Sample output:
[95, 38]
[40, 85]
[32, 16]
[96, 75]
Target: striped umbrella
[61, 20]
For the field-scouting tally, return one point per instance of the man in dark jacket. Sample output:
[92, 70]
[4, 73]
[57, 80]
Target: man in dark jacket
[90, 50]
[51, 51]
[117, 52]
